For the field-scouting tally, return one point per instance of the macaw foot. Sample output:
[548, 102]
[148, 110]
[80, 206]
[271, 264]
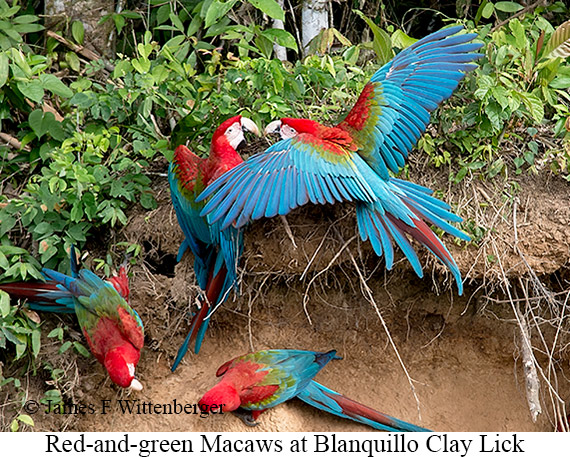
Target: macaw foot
[247, 417]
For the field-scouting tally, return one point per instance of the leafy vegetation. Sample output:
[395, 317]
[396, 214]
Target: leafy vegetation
[519, 89]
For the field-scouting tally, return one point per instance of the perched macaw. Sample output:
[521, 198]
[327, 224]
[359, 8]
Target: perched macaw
[216, 251]
[257, 381]
[351, 161]
[113, 330]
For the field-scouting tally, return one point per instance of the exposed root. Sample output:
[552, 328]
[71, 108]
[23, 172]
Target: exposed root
[545, 322]
[306, 297]
[370, 297]
[288, 231]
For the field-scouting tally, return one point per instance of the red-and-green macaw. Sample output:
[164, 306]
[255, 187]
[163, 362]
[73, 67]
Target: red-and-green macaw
[351, 161]
[216, 251]
[113, 330]
[257, 381]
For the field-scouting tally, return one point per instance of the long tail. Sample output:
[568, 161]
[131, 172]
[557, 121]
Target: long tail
[42, 296]
[53, 294]
[214, 288]
[328, 400]
[382, 227]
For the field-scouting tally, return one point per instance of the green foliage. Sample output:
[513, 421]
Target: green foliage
[16, 263]
[559, 43]
[18, 329]
[518, 87]
[86, 182]
[21, 419]
[382, 43]
[14, 26]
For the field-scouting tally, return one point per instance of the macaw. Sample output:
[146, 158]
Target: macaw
[351, 161]
[113, 330]
[216, 251]
[257, 381]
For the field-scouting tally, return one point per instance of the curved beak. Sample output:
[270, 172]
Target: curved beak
[249, 125]
[273, 127]
[136, 385]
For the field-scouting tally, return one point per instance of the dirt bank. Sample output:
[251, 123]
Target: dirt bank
[461, 352]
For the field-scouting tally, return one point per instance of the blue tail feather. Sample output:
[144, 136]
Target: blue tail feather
[332, 402]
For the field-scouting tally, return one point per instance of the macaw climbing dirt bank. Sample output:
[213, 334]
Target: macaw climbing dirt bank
[463, 353]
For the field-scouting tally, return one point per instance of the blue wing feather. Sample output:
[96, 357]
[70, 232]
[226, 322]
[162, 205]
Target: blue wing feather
[405, 91]
[212, 247]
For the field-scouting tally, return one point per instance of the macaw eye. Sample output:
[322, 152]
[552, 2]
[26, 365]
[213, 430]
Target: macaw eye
[289, 131]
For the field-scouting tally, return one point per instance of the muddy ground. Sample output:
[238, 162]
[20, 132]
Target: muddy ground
[463, 353]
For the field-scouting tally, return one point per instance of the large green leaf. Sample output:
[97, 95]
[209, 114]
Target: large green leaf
[269, 7]
[4, 303]
[559, 43]
[382, 43]
[281, 37]
[508, 7]
[55, 86]
[217, 10]
[534, 106]
[78, 31]
[32, 89]
[42, 123]
[401, 40]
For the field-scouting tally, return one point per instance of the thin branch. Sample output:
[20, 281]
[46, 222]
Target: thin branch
[525, 10]
[370, 297]
[13, 142]
[87, 53]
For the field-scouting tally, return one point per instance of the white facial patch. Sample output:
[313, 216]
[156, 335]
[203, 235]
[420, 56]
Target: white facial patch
[131, 368]
[234, 134]
[288, 132]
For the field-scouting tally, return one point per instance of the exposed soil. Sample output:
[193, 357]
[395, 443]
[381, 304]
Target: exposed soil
[462, 352]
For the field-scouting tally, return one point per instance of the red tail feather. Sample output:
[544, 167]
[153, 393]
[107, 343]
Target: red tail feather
[355, 410]
[29, 290]
[422, 233]
[213, 290]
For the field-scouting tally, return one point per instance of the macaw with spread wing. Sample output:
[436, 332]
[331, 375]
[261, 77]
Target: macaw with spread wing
[257, 381]
[113, 330]
[216, 252]
[351, 161]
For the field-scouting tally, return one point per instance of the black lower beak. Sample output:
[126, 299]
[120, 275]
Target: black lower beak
[241, 145]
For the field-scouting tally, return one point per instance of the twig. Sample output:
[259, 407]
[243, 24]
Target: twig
[13, 142]
[525, 10]
[88, 53]
[288, 231]
[529, 368]
[526, 341]
[370, 297]
[315, 253]
[331, 263]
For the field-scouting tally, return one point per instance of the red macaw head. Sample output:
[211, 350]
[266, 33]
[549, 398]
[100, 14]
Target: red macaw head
[231, 131]
[289, 127]
[120, 362]
[222, 395]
